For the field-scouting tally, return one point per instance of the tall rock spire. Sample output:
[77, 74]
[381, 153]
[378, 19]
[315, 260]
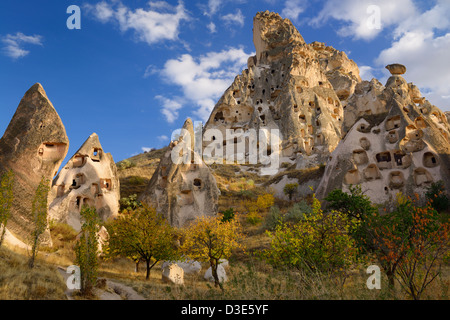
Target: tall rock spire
[33, 146]
[184, 189]
[291, 86]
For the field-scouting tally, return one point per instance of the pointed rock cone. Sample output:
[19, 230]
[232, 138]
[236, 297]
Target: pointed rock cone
[33, 146]
[186, 189]
[89, 178]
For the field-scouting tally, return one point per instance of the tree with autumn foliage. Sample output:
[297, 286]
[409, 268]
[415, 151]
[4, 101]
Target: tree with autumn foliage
[142, 234]
[410, 243]
[210, 239]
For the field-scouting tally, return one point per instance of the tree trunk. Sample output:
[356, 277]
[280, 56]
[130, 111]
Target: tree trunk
[214, 265]
[136, 268]
[147, 276]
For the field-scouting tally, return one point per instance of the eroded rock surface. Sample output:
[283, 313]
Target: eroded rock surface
[33, 146]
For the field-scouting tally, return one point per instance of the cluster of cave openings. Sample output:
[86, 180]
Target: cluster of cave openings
[422, 176]
[197, 184]
[96, 154]
[384, 160]
[430, 160]
[420, 123]
[186, 198]
[360, 157]
[393, 123]
[401, 159]
[396, 180]
[52, 151]
[78, 180]
[106, 184]
[78, 161]
[364, 143]
[372, 172]
[352, 177]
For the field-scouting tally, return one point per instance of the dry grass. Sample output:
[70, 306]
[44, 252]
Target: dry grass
[19, 282]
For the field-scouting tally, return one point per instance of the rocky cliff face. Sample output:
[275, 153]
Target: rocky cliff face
[33, 146]
[89, 178]
[182, 191]
[297, 88]
[399, 143]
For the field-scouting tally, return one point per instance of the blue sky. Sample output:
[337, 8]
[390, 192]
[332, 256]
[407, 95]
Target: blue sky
[136, 69]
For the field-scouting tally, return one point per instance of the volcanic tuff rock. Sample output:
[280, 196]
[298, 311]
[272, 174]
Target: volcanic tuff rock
[186, 190]
[292, 86]
[399, 143]
[33, 146]
[89, 178]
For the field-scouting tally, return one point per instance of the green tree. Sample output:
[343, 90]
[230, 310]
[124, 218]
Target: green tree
[320, 242]
[39, 208]
[290, 189]
[6, 200]
[142, 234]
[86, 249]
[355, 204]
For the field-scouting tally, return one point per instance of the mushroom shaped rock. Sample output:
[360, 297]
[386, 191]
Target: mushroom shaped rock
[396, 69]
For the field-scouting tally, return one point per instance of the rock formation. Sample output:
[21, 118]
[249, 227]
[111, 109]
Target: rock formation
[33, 146]
[186, 190]
[88, 178]
[399, 143]
[292, 86]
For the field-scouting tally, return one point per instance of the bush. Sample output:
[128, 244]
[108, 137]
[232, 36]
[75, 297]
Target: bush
[228, 215]
[273, 219]
[126, 164]
[298, 212]
[437, 196]
[320, 242]
[290, 189]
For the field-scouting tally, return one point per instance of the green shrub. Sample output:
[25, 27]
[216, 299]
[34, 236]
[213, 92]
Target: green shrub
[437, 196]
[298, 212]
[273, 219]
[228, 215]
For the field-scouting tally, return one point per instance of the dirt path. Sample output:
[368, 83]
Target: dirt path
[112, 290]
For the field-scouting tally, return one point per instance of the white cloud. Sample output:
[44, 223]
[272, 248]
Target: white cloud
[202, 79]
[150, 70]
[293, 8]
[234, 18]
[145, 149]
[163, 138]
[14, 43]
[212, 27]
[161, 21]
[170, 108]
[424, 53]
[359, 15]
